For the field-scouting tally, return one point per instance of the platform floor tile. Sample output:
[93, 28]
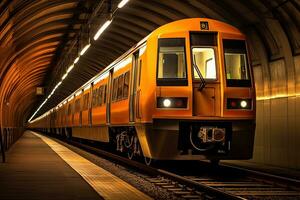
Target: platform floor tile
[106, 184]
[33, 171]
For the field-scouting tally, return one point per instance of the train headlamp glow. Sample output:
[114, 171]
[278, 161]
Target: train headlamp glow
[172, 102]
[236, 103]
[243, 104]
[167, 102]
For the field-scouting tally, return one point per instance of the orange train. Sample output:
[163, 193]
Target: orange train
[185, 92]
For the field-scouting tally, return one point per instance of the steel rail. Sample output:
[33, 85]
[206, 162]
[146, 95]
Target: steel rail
[186, 181]
[154, 171]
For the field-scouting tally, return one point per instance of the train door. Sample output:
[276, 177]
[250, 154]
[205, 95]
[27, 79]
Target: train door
[133, 87]
[108, 96]
[81, 108]
[90, 105]
[206, 86]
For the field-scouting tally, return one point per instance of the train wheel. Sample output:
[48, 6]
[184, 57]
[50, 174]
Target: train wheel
[147, 160]
[130, 154]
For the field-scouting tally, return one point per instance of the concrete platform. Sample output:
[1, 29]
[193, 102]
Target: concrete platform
[40, 168]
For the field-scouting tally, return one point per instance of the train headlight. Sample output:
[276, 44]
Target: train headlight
[243, 104]
[167, 103]
[234, 103]
[172, 102]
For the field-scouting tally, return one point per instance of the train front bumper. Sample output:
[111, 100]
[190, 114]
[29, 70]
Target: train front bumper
[167, 139]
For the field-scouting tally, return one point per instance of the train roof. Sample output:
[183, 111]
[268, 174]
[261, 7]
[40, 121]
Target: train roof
[194, 24]
[189, 24]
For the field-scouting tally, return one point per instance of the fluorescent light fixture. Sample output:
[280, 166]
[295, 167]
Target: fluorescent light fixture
[37, 110]
[76, 60]
[122, 3]
[85, 49]
[64, 76]
[102, 29]
[70, 68]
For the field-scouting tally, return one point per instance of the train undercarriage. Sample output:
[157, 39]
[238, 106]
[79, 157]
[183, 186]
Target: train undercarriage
[173, 139]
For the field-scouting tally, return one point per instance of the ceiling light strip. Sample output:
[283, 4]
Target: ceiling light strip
[82, 52]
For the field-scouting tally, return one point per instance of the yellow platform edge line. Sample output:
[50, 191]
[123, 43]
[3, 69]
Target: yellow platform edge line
[103, 182]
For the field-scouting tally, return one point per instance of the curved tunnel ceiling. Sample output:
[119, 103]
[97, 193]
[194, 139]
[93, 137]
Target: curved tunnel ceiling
[34, 35]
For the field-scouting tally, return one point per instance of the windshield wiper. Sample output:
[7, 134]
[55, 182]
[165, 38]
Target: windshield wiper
[202, 80]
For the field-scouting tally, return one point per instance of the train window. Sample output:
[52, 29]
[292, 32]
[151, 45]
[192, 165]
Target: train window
[236, 66]
[171, 62]
[140, 73]
[104, 94]
[77, 105]
[69, 109]
[126, 85]
[99, 99]
[207, 39]
[94, 100]
[204, 59]
[72, 108]
[115, 89]
[120, 86]
[83, 105]
[85, 101]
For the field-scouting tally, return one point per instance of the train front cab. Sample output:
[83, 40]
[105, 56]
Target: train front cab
[205, 97]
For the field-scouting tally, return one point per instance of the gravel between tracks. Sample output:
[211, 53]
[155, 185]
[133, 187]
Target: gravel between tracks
[132, 177]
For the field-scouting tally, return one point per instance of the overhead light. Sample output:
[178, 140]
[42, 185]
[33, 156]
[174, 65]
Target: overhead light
[101, 29]
[85, 49]
[70, 68]
[76, 60]
[64, 76]
[122, 3]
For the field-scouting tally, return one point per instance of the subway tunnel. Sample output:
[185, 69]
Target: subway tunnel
[40, 39]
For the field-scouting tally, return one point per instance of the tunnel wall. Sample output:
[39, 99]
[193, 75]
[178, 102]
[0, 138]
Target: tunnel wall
[277, 139]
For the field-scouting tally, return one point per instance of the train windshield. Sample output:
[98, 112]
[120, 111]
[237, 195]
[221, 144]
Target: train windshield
[204, 59]
[203, 45]
[236, 65]
[171, 62]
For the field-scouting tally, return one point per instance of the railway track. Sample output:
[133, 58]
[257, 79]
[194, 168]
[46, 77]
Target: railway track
[252, 185]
